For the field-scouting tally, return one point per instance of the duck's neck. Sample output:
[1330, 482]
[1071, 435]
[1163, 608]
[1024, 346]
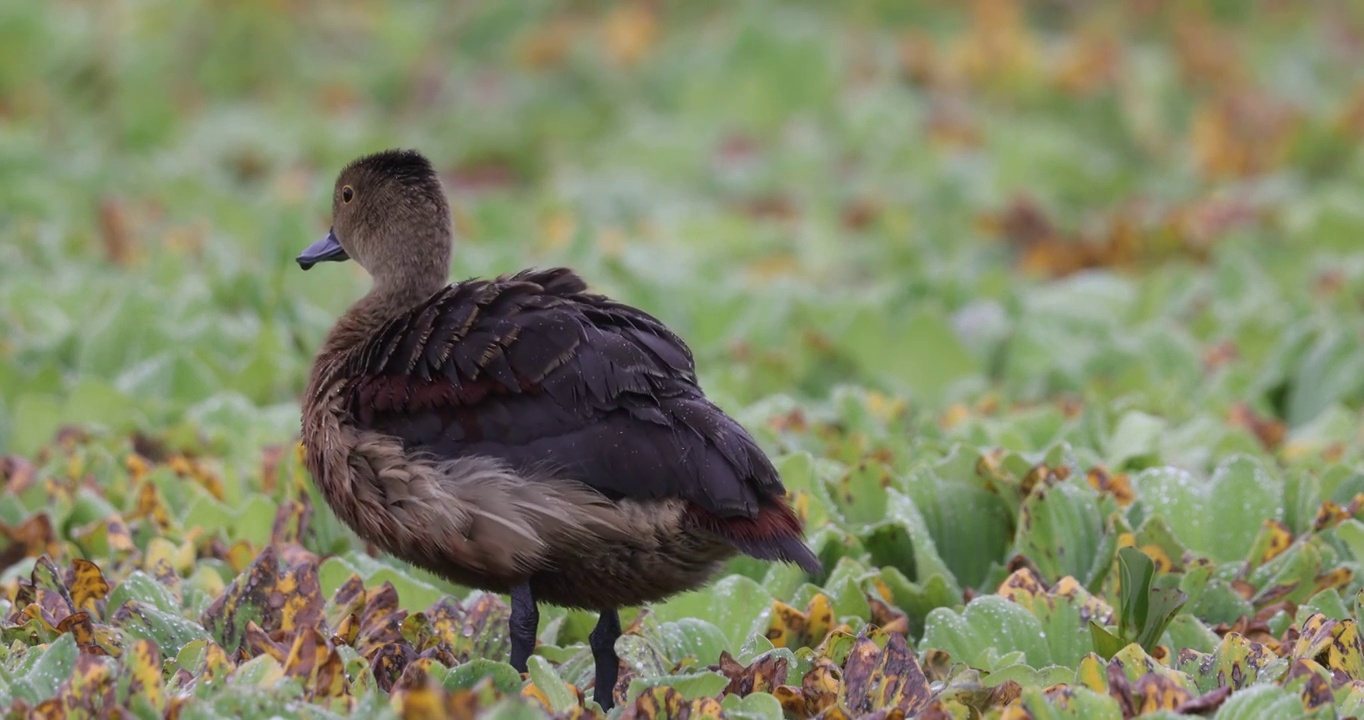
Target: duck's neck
[384, 301]
[392, 297]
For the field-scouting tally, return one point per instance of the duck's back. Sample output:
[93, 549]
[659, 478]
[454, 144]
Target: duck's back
[533, 371]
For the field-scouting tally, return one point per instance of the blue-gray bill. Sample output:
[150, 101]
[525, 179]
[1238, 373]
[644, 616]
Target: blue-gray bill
[325, 250]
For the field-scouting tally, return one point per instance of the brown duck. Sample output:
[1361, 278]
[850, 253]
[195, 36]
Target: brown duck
[522, 435]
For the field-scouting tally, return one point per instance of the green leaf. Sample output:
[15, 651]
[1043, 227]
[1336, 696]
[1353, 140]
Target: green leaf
[255, 519]
[1351, 532]
[1164, 603]
[1221, 603]
[1135, 574]
[917, 600]
[1235, 662]
[757, 706]
[1072, 702]
[40, 416]
[903, 542]
[546, 678]
[860, 493]
[1106, 644]
[725, 604]
[1135, 440]
[1061, 529]
[261, 671]
[1261, 701]
[1333, 369]
[989, 628]
[44, 677]
[691, 686]
[1187, 632]
[1219, 517]
[970, 525]
[168, 631]
[690, 641]
[144, 589]
[921, 352]
[414, 595]
[469, 673]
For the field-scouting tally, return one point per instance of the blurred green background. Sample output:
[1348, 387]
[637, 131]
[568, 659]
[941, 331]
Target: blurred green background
[901, 195]
[1002, 286]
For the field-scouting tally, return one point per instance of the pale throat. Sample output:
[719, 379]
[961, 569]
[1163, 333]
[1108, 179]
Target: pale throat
[399, 291]
[399, 285]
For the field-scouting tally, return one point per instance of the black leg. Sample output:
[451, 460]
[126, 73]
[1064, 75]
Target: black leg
[603, 643]
[525, 620]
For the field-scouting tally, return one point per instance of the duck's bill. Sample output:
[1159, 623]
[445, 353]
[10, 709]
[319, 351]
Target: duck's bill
[325, 250]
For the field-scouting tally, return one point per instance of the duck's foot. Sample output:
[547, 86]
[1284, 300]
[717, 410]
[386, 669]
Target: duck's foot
[603, 643]
[525, 620]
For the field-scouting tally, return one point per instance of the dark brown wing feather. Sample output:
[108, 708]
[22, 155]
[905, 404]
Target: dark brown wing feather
[536, 371]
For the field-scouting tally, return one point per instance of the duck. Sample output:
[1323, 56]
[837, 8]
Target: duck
[522, 435]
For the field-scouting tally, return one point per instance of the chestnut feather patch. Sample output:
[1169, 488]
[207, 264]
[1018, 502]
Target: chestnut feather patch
[775, 533]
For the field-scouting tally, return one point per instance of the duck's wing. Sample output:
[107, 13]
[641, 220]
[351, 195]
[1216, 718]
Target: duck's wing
[534, 370]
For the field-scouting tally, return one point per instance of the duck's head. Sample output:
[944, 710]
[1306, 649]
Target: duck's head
[390, 215]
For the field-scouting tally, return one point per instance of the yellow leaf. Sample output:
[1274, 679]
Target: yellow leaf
[556, 229]
[1153, 693]
[88, 586]
[1272, 541]
[348, 630]
[141, 663]
[1240, 134]
[34, 611]
[765, 674]
[291, 522]
[885, 408]
[999, 51]
[1093, 673]
[88, 684]
[791, 628]
[165, 560]
[1091, 62]
[258, 642]
[533, 692]
[787, 624]
[791, 699]
[547, 45]
[1022, 586]
[888, 678]
[611, 242]
[1338, 640]
[75, 466]
[1119, 486]
[299, 596]
[119, 538]
[1336, 578]
[1159, 556]
[820, 618]
[137, 467]
[631, 31]
[216, 663]
[820, 686]
[241, 554]
[83, 630]
[307, 653]
[422, 703]
[151, 505]
[1330, 514]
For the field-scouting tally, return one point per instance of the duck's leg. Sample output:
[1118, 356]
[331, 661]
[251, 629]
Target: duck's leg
[525, 620]
[603, 643]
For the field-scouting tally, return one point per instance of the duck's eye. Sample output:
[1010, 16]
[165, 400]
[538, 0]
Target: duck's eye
[347, 193]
